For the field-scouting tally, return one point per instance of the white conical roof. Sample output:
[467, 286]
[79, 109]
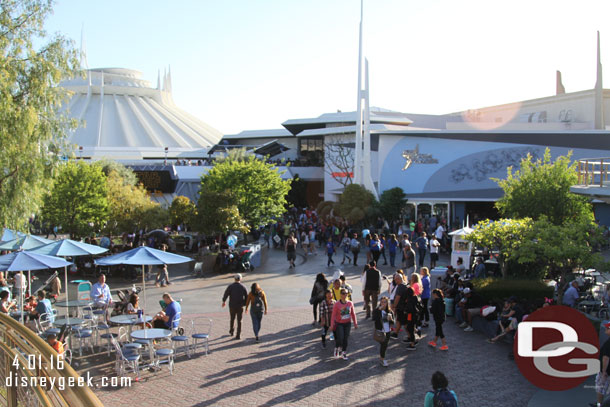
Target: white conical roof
[122, 112]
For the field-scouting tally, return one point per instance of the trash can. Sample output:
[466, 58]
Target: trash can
[449, 307]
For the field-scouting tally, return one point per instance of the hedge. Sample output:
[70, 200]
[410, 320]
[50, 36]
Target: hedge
[496, 290]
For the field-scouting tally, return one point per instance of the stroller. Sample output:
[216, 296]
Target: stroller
[244, 260]
[47, 287]
[233, 261]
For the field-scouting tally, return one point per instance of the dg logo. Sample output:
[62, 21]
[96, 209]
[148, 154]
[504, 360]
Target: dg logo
[557, 348]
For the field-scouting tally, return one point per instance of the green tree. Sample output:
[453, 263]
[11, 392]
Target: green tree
[78, 200]
[153, 216]
[182, 211]
[356, 202]
[392, 202]
[129, 204]
[255, 187]
[217, 213]
[127, 175]
[542, 187]
[32, 130]
[504, 235]
[559, 249]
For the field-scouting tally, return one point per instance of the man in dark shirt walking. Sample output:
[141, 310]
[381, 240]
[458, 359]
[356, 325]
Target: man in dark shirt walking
[237, 294]
[371, 287]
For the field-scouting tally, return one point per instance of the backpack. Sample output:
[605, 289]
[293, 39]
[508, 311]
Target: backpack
[444, 398]
[258, 305]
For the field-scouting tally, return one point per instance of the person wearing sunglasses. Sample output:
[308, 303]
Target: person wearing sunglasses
[341, 323]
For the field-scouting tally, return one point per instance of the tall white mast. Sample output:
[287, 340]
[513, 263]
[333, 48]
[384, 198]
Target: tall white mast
[358, 142]
[362, 162]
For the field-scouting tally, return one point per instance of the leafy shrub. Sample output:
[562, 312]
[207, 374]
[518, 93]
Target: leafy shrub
[496, 290]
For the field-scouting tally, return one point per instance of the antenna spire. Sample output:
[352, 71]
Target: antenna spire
[83, 49]
[599, 88]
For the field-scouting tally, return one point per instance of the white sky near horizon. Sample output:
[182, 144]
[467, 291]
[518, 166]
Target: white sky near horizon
[253, 64]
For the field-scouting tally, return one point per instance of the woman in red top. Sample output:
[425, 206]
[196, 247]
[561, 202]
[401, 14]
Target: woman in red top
[341, 323]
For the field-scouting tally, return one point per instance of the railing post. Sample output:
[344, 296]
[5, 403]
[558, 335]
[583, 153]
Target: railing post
[586, 173]
[579, 173]
[601, 173]
[11, 391]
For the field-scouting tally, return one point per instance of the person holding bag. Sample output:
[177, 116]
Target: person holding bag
[384, 319]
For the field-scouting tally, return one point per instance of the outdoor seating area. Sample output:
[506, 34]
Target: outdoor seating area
[90, 326]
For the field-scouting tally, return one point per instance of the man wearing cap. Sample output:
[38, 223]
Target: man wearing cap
[471, 306]
[601, 380]
[237, 294]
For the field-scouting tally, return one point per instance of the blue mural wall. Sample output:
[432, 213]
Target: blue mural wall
[455, 165]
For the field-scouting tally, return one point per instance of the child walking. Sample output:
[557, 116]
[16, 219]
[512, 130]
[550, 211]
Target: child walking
[326, 310]
[438, 312]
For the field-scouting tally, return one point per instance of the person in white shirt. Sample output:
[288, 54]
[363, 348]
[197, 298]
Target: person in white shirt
[19, 281]
[100, 293]
[440, 230]
[434, 245]
[312, 242]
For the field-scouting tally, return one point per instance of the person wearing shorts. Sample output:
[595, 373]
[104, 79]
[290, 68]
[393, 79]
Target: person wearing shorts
[601, 380]
[291, 249]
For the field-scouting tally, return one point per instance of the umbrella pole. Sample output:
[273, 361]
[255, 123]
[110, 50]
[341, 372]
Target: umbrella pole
[144, 284]
[66, 288]
[29, 282]
[21, 295]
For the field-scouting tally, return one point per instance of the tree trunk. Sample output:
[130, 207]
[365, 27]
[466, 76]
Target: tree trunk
[503, 269]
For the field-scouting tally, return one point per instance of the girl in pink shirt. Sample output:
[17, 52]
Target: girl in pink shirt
[341, 323]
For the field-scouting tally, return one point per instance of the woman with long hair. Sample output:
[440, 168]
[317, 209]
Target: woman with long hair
[258, 301]
[341, 323]
[415, 284]
[317, 294]
[438, 313]
[134, 304]
[384, 319]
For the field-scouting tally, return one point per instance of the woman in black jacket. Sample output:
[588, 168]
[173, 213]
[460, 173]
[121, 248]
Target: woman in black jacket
[438, 312]
[384, 319]
[317, 294]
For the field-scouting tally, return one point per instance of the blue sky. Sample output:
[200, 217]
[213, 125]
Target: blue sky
[252, 64]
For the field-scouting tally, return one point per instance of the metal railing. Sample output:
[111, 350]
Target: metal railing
[33, 374]
[593, 171]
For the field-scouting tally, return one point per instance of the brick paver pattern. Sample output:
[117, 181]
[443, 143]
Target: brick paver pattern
[289, 366]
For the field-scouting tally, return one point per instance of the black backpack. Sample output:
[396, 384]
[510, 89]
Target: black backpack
[257, 305]
[444, 398]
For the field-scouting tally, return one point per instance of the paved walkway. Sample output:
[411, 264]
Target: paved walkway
[289, 366]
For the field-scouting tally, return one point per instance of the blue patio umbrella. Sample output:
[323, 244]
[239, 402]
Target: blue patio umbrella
[9, 234]
[143, 256]
[25, 242]
[68, 248]
[20, 261]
